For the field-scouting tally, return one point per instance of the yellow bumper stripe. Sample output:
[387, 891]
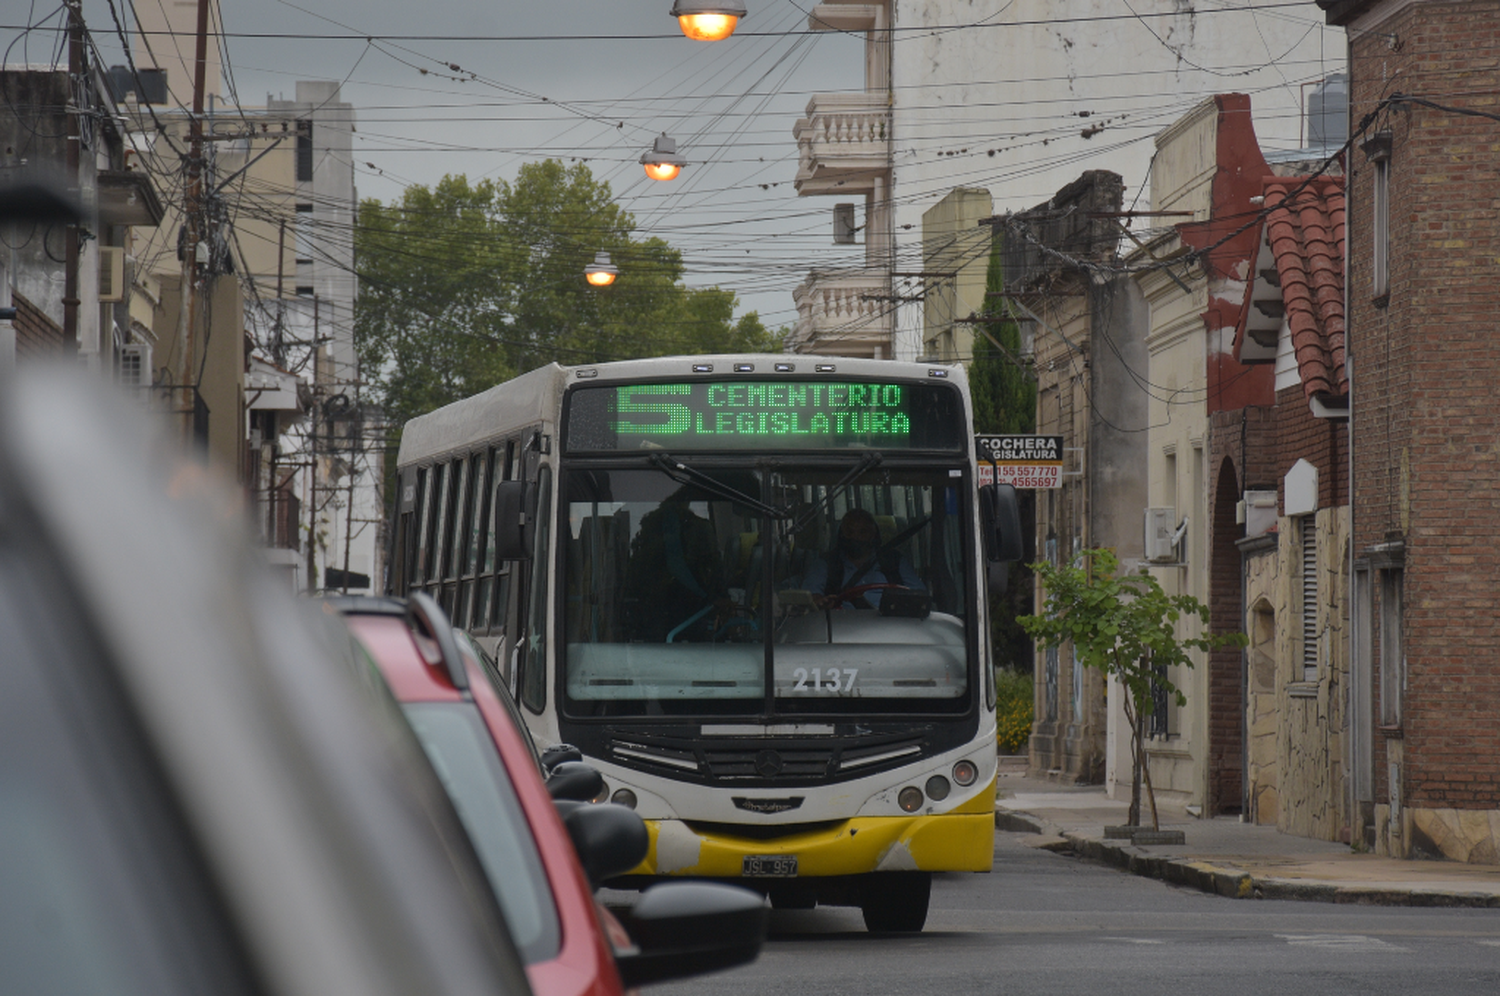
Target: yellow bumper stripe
[962, 840]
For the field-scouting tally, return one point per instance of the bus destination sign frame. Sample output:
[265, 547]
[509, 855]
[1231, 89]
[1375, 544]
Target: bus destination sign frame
[763, 414]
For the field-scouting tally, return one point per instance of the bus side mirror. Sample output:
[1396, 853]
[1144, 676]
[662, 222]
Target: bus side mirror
[515, 512]
[1000, 516]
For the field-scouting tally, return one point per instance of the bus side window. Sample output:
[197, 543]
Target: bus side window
[496, 590]
[453, 509]
[434, 532]
[534, 655]
[473, 592]
[408, 525]
[417, 573]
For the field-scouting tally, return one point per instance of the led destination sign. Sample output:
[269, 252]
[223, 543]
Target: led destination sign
[701, 415]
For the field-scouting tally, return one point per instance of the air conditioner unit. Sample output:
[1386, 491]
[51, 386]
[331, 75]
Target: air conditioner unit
[111, 274]
[1161, 535]
[135, 365]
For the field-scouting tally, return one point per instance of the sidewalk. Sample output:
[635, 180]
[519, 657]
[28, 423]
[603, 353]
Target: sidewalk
[1230, 858]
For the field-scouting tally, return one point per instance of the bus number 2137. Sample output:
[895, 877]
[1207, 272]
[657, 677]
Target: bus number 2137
[824, 679]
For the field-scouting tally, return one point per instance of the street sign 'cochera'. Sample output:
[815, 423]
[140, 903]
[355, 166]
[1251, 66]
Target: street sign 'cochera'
[1020, 461]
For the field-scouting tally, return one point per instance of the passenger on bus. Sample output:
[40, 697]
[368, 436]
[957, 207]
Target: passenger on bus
[674, 579]
[859, 559]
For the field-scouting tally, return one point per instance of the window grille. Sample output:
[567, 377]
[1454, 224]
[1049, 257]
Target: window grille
[1309, 599]
[1158, 724]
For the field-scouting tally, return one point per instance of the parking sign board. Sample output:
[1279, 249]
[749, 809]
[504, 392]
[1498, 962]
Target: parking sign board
[1020, 461]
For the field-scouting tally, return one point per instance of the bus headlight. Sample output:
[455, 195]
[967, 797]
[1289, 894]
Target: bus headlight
[937, 788]
[603, 795]
[623, 797]
[909, 799]
[964, 772]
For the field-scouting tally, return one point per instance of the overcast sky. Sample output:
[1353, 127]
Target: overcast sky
[597, 80]
[586, 79]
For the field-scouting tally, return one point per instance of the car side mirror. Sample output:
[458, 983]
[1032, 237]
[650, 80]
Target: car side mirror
[688, 928]
[610, 839]
[1000, 519]
[515, 513]
[557, 754]
[575, 781]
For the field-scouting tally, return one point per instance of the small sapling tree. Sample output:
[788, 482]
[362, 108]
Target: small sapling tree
[1126, 626]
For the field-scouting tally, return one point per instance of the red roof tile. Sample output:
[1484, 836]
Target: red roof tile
[1306, 235]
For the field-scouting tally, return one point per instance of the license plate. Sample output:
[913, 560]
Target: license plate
[769, 866]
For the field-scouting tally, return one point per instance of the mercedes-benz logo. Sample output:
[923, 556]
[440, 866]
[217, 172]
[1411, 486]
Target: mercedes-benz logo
[768, 763]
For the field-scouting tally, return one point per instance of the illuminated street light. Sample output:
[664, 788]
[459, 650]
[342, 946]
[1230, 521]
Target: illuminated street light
[601, 272]
[663, 162]
[708, 20]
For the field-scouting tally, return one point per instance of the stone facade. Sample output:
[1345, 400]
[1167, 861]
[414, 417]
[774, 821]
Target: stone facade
[1295, 718]
[1263, 580]
[1310, 750]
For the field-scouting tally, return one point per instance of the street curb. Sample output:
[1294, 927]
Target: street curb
[1023, 823]
[1201, 875]
[1325, 892]
[1234, 883]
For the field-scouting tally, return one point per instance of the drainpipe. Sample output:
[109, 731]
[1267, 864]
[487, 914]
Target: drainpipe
[74, 109]
[1358, 724]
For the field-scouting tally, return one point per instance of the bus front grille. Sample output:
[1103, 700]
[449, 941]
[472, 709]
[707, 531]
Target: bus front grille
[765, 761]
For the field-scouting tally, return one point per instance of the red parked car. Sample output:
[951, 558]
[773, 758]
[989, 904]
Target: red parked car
[543, 856]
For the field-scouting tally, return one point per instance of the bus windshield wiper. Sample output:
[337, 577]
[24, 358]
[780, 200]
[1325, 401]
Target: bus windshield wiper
[870, 459]
[683, 474]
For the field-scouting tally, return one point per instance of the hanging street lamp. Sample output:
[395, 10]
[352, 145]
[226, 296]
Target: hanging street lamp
[601, 272]
[708, 20]
[663, 162]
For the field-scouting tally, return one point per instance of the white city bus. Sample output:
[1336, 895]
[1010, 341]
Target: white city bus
[653, 548]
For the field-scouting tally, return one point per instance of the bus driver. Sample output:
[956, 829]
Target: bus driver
[859, 560]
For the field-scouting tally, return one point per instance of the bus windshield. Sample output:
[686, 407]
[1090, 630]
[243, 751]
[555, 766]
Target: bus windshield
[841, 586]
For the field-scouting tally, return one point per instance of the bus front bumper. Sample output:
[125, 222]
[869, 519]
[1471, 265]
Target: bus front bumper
[961, 840]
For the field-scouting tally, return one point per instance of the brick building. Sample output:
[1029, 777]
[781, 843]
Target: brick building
[1424, 286]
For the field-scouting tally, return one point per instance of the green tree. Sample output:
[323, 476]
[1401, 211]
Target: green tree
[1002, 384]
[1003, 388]
[466, 285]
[430, 316]
[1126, 626]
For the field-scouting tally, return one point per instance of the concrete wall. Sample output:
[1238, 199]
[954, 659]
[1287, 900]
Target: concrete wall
[156, 45]
[954, 242]
[1043, 90]
[1176, 456]
[1089, 346]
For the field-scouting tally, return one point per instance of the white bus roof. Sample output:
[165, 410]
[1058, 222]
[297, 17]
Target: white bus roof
[537, 396]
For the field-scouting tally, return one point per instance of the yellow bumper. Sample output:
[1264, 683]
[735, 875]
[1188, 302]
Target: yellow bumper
[960, 840]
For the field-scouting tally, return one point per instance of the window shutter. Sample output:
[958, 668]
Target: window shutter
[1309, 599]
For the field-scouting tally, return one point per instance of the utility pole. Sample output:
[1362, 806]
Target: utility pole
[312, 459]
[78, 81]
[194, 223]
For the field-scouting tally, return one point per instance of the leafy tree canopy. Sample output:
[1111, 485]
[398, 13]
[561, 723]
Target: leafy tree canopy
[463, 286]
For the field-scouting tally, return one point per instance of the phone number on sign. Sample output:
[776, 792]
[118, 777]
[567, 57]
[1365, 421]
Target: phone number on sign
[1029, 481]
[1024, 477]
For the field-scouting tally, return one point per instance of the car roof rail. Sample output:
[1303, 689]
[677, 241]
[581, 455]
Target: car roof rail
[425, 613]
[366, 605]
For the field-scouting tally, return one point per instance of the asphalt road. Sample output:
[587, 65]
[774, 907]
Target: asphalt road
[1050, 924]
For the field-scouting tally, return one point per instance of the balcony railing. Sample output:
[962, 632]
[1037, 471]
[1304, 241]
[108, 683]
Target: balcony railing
[847, 313]
[843, 143]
